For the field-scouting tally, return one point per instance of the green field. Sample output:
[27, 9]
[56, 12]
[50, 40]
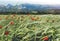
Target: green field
[29, 27]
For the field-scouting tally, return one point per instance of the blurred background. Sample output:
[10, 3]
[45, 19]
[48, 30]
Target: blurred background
[29, 7]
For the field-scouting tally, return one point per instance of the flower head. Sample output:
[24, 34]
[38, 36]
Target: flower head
[0, 27]
[6, 33]
[11, 23]
[45, 38]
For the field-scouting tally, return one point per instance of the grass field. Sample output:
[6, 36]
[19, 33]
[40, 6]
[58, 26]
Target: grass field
[29, 27]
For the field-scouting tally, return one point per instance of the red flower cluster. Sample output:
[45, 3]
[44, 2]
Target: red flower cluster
[6, 33]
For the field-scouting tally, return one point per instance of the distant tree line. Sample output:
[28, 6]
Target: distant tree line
[33, 12]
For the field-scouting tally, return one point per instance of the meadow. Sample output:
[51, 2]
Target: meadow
[29, 27]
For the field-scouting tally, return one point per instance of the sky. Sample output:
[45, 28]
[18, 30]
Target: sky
[49, 2]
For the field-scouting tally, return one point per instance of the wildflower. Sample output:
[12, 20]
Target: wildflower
[45, 38]
[0, 27]
[6, 33]
[32, 18]
[12, 23]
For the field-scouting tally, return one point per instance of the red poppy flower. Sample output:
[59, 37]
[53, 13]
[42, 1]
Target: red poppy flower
[6, 33]
[45, 38]
[12, 23]
[32, 18]
[0, 27]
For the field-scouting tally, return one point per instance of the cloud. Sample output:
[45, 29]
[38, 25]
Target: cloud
[9, 1]
[41, 1]
[52, 2]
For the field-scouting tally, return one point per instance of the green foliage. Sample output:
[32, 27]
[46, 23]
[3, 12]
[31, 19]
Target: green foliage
[23, 28]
